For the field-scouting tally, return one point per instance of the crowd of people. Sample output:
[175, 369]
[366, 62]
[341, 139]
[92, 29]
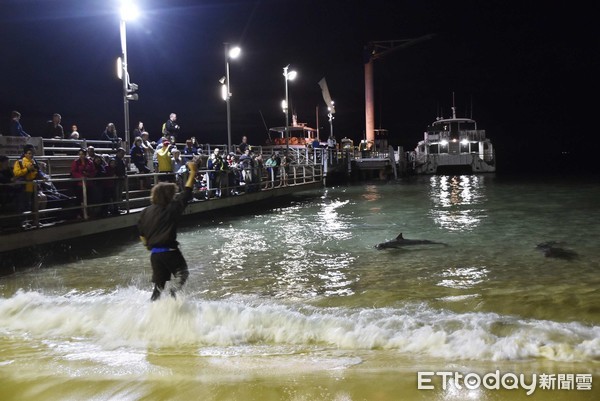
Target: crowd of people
[54, 129]
[100, 178]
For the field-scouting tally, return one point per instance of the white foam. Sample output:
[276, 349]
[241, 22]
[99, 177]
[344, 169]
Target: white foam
[125, 318]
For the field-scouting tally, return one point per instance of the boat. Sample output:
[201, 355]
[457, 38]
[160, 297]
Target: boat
[299, 135]
[453, 146]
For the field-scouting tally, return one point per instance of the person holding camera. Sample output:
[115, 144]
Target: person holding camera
[25, 170]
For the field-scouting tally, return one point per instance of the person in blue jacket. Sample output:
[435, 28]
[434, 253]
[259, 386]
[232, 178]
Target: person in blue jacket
[16, 129]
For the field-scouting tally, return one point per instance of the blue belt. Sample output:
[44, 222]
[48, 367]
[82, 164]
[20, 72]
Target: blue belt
[161, 250]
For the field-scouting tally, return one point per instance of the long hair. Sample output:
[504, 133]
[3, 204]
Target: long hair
[162, 193]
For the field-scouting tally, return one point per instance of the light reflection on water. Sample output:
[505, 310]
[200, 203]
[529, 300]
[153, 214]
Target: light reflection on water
[457, 200]
[301, 288]
[463, 277]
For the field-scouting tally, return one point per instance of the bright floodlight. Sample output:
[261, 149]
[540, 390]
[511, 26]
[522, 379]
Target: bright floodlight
[234, 52]
[224, 91]
[291, 75]
[129, 11]
[120, 68]
[284, 105]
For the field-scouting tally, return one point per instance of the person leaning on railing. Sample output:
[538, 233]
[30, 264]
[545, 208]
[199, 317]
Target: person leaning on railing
[26, 170]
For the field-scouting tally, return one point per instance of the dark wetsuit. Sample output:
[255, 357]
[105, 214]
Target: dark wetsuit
[159, 226]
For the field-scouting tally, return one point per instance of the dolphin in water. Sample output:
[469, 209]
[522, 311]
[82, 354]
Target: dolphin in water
[400, 242]
[552, 249]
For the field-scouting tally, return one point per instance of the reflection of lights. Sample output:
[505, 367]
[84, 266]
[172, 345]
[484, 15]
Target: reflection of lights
[463, 277]
[464, 142]
[444, 143]
[453, 200]
[371, 193]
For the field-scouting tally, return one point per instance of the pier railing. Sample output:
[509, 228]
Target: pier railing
[78, 198]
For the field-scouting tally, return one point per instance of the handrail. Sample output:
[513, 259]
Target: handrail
[299, 174]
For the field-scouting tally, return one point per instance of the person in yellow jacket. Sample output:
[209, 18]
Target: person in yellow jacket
[26, 169]
[165, 162]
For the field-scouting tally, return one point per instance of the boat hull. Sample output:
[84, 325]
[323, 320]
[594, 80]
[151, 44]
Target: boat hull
[453, 164]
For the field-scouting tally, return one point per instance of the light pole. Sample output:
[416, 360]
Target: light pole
[128, 12]
[287, 76]
[331, 112]
[232, 53]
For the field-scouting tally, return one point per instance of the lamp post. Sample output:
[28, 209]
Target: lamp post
[128, 12]
[331, 112]
[287, 76]
[232, 53]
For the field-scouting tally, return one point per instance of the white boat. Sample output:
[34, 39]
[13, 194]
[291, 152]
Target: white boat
[453, 146]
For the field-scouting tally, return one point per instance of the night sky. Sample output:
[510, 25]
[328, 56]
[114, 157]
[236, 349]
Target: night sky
[526, 71]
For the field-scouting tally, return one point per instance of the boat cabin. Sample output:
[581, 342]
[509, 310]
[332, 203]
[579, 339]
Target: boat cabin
[299, 135]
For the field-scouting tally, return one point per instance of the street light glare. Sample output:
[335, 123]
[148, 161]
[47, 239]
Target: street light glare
[234, 52]
[120, 68]
[129, 11]
[224, 92]
[291, 75]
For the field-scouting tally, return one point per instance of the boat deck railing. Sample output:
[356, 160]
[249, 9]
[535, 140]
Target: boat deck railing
[470, 135]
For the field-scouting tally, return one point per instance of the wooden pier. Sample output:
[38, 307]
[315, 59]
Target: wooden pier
[311, 169]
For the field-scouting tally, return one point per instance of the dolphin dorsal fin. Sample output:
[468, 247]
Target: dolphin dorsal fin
[400, 236]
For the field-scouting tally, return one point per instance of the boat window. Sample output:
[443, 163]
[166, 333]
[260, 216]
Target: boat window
[464, 148]
[434, 149]
[475, 147]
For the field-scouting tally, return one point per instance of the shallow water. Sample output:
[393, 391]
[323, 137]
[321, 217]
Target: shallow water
[295, 303]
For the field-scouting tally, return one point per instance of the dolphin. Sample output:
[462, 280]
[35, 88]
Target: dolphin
[400, 242]
[551, 249]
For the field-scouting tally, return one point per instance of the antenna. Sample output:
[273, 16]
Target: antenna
[453, 107]
[471, 107]
[266, 127]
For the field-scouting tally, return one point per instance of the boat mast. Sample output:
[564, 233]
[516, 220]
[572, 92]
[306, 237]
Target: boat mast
[453, 107]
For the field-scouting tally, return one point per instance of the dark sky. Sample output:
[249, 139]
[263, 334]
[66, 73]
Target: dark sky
[524, 70]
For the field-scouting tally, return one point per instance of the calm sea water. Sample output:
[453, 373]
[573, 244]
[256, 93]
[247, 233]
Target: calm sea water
[291, 301]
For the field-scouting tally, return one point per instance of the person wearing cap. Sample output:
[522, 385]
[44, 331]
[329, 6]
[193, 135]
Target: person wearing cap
[157, 227]
[165, 161]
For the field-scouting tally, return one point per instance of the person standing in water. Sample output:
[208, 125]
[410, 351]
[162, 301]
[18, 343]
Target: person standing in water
[158, 231]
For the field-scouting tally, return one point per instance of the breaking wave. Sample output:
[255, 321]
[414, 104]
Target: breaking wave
[125, 318]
